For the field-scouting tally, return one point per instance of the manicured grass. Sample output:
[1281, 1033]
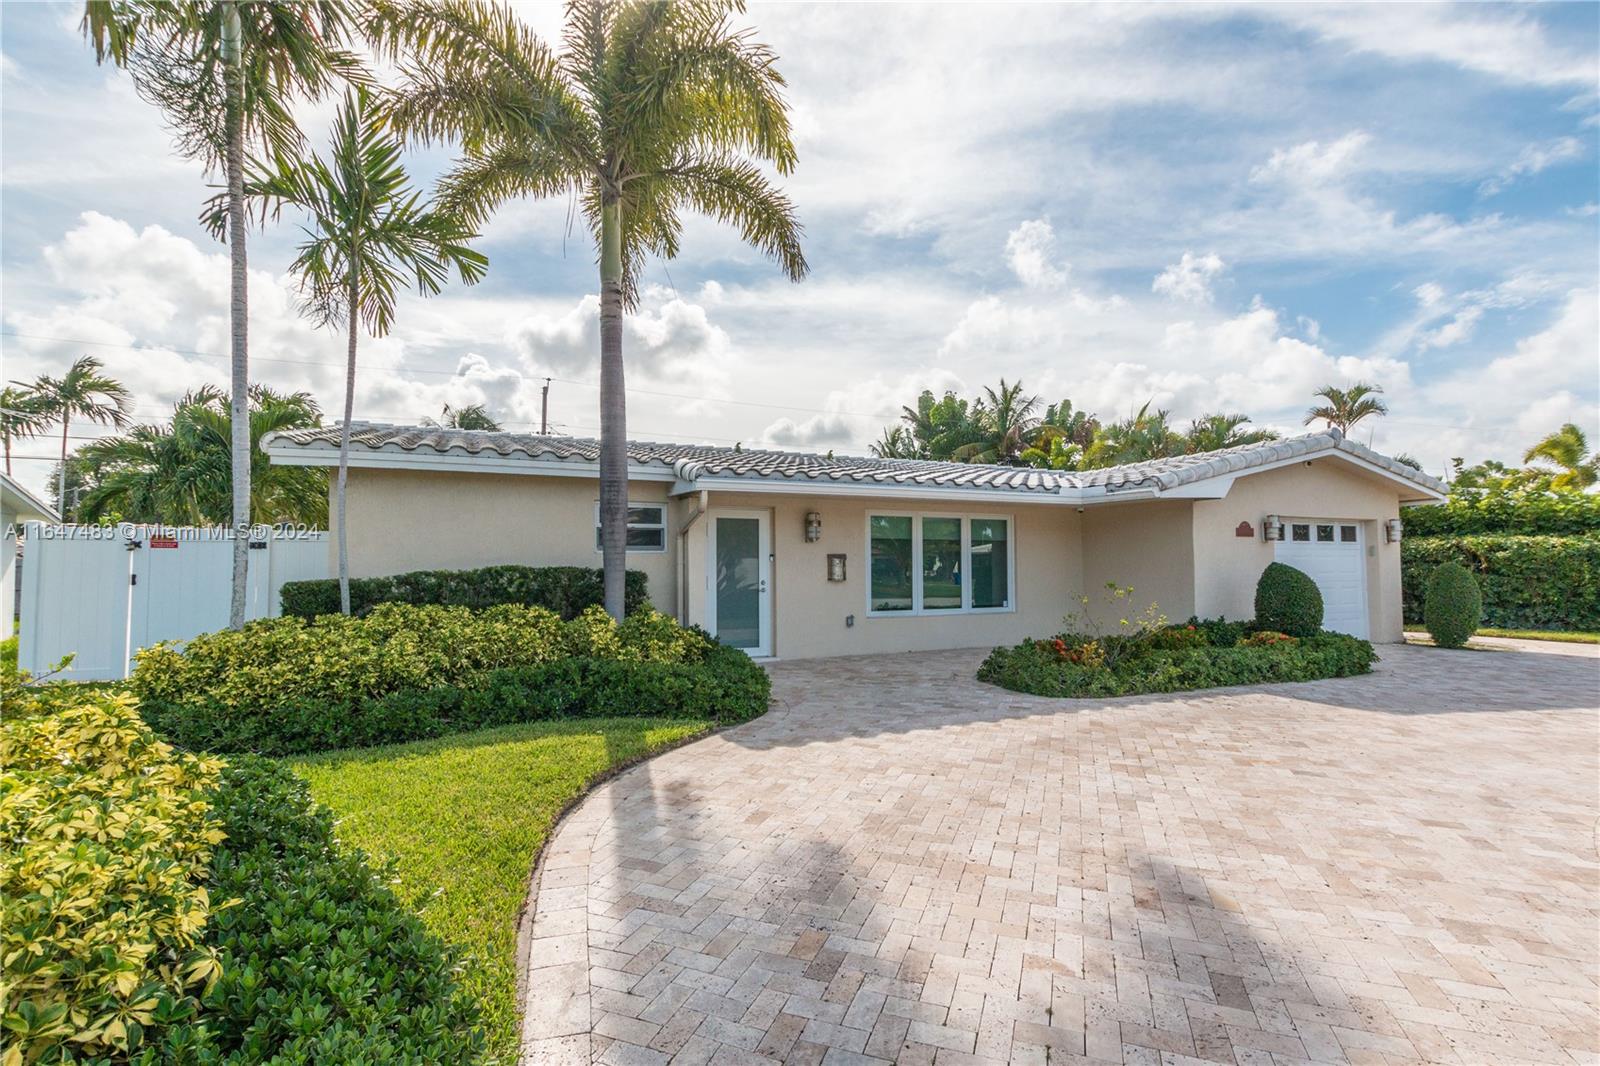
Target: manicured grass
[463, 817]
[1564, 636]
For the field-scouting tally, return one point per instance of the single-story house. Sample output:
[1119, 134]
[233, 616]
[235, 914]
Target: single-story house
[795, 555]
[17, 505]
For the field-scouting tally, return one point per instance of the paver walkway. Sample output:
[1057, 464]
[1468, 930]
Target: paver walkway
[901, 864]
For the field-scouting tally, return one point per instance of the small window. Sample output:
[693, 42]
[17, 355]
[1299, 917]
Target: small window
[1347, 534]
[991, 564]
[891, 562]
[1324, 534]
[1301, 532]
[647, 527]
[941, 564]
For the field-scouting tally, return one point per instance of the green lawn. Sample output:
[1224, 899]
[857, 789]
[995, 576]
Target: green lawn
[463, 817]
[1565, 636]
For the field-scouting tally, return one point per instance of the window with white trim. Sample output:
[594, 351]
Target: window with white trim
[932, 564]
[647, 527]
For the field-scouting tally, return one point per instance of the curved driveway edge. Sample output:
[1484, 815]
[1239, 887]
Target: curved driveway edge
[900, 864]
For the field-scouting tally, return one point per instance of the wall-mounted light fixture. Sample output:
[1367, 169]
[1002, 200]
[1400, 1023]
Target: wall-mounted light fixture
[1391, 531]
[813, 527]
[836, 568]
[1272, 527]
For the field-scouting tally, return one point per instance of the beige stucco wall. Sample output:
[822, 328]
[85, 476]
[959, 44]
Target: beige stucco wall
[1227, 566]
[810, 611]
[403, 520]
[1148, 546]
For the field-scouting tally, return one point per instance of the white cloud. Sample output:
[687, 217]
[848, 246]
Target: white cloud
[1460, 328]
[1429, 293]
[854, 416]
[1313, 163]
[1190, 278]
[1531, 160]
[1030, 252]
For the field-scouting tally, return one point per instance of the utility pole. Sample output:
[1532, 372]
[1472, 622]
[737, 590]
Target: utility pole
[544, 408]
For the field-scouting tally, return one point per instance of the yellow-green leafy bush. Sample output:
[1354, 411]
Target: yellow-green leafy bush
[105, 837]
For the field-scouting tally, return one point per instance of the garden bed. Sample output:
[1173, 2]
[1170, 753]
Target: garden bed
[1196, 655]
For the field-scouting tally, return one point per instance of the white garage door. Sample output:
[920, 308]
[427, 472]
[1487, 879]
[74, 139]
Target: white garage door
[1331, 551]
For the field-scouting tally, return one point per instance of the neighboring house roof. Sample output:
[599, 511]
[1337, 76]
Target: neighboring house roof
[701, 466]
[24, 504]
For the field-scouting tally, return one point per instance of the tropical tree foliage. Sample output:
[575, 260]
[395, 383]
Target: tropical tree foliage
[225, 76]
[181, 473]
[85, 392]
[1567, 449]
[472, 416]
[1343, 408]
[368, 235]
[646, 110]
[21, 417]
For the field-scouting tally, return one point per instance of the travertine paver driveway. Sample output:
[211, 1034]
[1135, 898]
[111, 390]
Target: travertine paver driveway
[901, 864]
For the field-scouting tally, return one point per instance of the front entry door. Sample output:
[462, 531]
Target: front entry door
[740, 569]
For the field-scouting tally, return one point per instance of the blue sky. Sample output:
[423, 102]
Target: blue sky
[1215, 208]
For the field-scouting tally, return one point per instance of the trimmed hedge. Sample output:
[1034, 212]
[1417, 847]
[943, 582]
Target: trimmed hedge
[724, 685]
[287, 686]
[1526, 582]
[566, 590]
[1513, 513]
[1039, 668]
[321, 962]
[1454, 605]
[1288, 601]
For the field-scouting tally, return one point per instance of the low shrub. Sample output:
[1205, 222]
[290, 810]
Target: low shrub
[1266, 638]
[1219, 632]
[1454, 605]
[1287, 600]
[1034, 667]
[105, 834]
[320, 961]
[566, 590]
[1526, 582]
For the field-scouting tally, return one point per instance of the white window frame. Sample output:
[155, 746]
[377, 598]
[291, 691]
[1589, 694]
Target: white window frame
[917, 609]
[661, 525]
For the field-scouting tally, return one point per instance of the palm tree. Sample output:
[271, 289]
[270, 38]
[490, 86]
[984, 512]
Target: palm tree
[1567, 448]
[83, 392]
[896, 443]
[181, 473]
[225, 75]
[472, 416]
[368, 234]
[1005, 421]
[20, 417]
[647, 109]
[1147, 435]
[1345, 407]
[1210, 433]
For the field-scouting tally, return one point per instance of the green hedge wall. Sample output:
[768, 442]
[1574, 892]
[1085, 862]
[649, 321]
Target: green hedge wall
[1520, 514]
[566, 590]
[1527, 582]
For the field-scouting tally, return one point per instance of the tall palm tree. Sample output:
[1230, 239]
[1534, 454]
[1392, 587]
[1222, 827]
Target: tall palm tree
[1567, 448]
[20, 417]
[1210, 433]
[895, 443]
[368, 234]
[225, 75]
[82, 392]
[648, 108]
[1147, 435]
[1345, 407]
[472, 416]
[181, 473]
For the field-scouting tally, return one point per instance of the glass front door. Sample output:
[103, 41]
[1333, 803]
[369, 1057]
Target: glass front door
[740, 553]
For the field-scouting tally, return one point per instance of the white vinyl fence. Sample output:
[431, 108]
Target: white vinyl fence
[101, 593]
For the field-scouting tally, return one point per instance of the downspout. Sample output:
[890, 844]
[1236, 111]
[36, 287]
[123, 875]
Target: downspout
[683, 554]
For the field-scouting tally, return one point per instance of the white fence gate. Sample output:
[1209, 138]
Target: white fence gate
[101, 593]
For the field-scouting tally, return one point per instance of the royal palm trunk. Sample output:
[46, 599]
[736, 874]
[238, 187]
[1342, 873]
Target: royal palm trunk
[613, 413]
[233, 74]
[344, 453]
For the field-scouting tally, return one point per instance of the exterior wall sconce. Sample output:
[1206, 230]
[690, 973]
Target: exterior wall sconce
[813, 527]
[1272, 527]
[836, 568]
[1391, 531]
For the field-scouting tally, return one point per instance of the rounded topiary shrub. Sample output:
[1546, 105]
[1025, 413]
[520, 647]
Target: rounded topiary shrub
[1453, 606]
[1288, 601]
